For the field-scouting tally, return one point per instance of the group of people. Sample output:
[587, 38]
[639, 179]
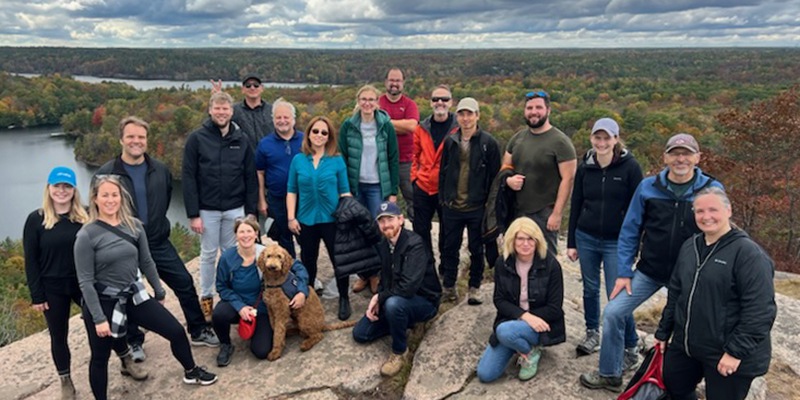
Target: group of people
[341, 187]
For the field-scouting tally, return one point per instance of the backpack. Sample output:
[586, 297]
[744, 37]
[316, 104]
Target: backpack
[647, 383]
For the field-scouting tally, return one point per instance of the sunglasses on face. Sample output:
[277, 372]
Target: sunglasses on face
[252, 85]
[322, 132]
[536, 94]
[438, 99]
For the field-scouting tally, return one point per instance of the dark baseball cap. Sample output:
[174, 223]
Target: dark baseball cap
[251, 78]
[389, 209]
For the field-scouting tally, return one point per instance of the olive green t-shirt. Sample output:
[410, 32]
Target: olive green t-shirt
[537, 157]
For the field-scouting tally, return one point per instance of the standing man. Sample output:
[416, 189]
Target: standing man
[253, 115]
[273, 158]
[660, 216]
[150, 184]
[405, 118]
[219, 186]
[470, 160]
[544, 160]
[428, 138]
[408, 293]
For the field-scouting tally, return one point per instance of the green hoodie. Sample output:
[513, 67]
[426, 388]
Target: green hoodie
[351, 146]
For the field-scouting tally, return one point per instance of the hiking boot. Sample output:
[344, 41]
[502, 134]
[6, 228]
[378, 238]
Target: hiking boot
[67, 388]
[199, 376]
[590, 344]
[630, 360]
[129, 368]
[225, 354]
[137, 352]
[207, 305]
[450, 294]
[344, 308]
[374, 280]
[360, 285]
[529, 364]
[474, 297]
[206, 337]
[393, 365]
[595, 381]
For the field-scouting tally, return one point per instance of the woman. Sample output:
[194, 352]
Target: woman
[604, 185]
[317, 179]
[528, 294]
[369, 147]
[48, 240]
[239, 288]
[720, 308]
[109, 253]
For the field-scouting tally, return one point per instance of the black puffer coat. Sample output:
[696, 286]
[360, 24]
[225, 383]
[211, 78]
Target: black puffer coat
[356, 237]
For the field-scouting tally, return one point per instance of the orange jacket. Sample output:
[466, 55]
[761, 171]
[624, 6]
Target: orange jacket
[425, 160]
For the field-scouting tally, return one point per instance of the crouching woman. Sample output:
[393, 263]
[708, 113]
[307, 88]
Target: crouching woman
[528, 294]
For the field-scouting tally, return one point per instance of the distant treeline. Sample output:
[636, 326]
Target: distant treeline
[762, 66]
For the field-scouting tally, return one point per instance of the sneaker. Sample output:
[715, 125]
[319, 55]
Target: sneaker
[199, 376]
[393, 365]
[206, 337]
[360, 285]
[129, 368]
[529, 364]
[137, 353]
[631, 359]
[595, 381]
[207, 305]
[318, 286]
[474, 297]
[450, 294]
[590, 344]
[225, 354]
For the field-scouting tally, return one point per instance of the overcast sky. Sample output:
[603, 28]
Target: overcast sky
[400, 23]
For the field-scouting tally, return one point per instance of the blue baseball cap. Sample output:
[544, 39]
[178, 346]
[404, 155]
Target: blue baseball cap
[389, 208]
[61, 175]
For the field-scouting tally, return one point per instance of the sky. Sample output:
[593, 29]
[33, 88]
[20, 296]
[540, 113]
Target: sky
[400, 23]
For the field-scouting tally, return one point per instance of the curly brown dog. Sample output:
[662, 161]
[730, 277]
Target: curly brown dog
[275, 263]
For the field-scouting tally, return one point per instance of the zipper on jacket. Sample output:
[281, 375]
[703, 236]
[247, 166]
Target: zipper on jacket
[603, 205]
[674, 222]
[694, 286]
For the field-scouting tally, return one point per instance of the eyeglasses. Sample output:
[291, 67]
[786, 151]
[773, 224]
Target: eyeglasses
[442, 99]
[322, 132]
[366, 100]
[537, 94]
[252, 85]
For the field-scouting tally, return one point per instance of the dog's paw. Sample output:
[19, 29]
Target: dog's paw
[274, 355]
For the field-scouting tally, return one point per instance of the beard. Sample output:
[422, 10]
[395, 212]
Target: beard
[391, 232]
[217, 123]
[536, 125]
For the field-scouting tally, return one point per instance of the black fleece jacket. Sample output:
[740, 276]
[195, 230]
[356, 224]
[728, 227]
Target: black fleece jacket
[408, 270]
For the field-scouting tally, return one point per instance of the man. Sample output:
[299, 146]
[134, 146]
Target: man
[273, 158]
[428, 138]
[219, 186]
[544, 160]
[253, 115]
[660, 216]
[470, 160]
[409, 290]
[405, 118]
[149, 183]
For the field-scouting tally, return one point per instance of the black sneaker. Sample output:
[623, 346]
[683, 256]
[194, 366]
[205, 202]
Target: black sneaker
[199, 376]
[225, 354]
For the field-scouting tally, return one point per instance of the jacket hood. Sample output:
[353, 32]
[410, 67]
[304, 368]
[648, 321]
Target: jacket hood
[700, 182]
[590, 159]
[731, 237]
[213, 128]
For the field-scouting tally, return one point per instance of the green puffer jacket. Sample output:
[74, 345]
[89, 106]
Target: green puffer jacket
[351, 146]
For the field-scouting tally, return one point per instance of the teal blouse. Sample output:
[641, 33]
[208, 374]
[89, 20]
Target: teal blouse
[317, 189]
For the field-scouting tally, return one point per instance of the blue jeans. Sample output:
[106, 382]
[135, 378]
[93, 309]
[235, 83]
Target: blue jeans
[394, 318]
[615, 318]
[514, 337]
[369, 194]
[592, 252]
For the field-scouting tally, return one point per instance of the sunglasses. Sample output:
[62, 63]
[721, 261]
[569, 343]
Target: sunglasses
[287, 148]
[252, 85]
[536, 94]
[442, 99]
[322, 132]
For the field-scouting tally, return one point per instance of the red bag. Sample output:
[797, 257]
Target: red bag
[648, 382]
[247, 328]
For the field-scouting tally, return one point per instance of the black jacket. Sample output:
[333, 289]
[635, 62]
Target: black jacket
[601, 196]
[219, 172]
[722, 303]
[356, 237]
[484, 162]
[255, 123]
[500, 207]
[408, 270]
[545, 296]
[158, 180]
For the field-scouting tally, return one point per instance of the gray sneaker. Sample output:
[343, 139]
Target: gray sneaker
[594, 380]
[137, 353]
[630, 360]
[474, 298]
[450, 294]
[206, 337]
[590, 344]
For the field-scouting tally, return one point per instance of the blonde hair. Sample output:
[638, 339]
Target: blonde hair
[331, 147]
[77, 214]
[125, 213]
[529, 227]
[367, 88]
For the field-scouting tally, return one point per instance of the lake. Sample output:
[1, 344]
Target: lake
[26, 158]
[142, 84]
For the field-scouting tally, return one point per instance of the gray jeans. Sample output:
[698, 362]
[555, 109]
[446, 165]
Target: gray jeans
[217, 235]
[406, 188]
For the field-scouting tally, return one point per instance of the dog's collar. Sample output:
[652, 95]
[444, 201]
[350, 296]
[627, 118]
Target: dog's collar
[274, 286]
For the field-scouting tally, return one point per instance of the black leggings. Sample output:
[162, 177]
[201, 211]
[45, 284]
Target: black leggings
[225, 315]
[682, 374]
[150, 315]
[309, 238]
[57, 317]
